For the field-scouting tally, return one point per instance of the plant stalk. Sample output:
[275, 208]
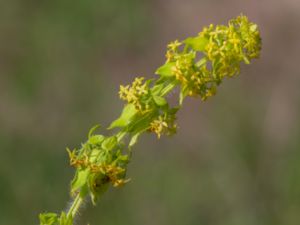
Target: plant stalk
[75, 206]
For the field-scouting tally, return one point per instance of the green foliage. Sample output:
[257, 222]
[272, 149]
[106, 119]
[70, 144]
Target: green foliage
[128, 113]
[102, 161]
[196, 43]
[166, 70]
[49, 219]
[79, 180]
[53, 219]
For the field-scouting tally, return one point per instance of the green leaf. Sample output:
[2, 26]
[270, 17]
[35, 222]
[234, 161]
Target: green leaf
[142, 124]
[148, 82]
[134, 139]
[196, 43]
[157, 89]
[173, 111]
[166, 69]
[64, 220]
[160, 101]
[48, 219]
[127, 114]
[84, 190]
[123, 158]
[96, 139]
[98, 185]
[79, 180]
[109, 143]
[94, 154]
[183, 94]
[92, 130]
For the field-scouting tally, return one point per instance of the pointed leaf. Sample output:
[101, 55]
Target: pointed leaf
[48, 219]
[134, 139]
[196, 43]
[160, 101]
[157, 89]
[109, 143]
[98, 184]
[79, 180]
[96, 139]
[65, 220]
[166, 69]
[93, 129]
[128, 113]
[183, 94]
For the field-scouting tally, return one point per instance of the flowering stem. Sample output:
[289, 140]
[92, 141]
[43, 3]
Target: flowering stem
[78, 200]
[102, 160]
[121, 135]
[169, 88]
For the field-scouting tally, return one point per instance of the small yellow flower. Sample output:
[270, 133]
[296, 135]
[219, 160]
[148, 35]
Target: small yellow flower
[169, 56]
[158, 126]
[134, 93]
[174, 45]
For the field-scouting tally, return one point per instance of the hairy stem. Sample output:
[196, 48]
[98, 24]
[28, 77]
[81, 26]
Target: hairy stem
[169, 88]
[78, 200]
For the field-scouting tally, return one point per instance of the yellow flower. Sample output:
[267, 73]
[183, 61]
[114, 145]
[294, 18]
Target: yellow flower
[174, 45]
[158, 126]
[134, 93]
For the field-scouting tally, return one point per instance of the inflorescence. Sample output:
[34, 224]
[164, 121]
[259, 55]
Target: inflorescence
[197, 65]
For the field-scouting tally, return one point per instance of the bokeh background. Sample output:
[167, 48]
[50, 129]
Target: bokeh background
[236, 157]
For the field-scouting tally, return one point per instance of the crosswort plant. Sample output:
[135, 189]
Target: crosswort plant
[196, 66]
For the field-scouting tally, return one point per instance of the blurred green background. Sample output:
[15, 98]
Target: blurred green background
[235, 159]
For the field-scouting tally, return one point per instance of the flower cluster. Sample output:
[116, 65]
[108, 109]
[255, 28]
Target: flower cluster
[99, 162]
[194, 80]
[112, 173]
[164, 124]
[172, 50]
[133, 94]
[229, 45]
[223, 49]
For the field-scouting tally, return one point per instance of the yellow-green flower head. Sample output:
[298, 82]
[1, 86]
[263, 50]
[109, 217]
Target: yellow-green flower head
[133, 94]
[223, 49]
[164, 124]
[230, 45]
